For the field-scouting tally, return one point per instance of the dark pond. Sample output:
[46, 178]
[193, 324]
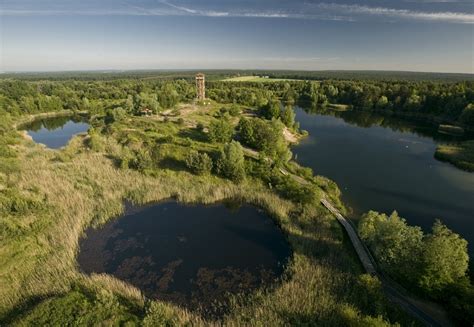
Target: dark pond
[56, 132]
[189, 255]
[386, 164]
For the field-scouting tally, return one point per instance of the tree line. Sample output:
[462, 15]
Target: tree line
[452, 102]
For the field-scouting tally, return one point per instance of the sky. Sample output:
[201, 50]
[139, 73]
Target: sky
[408, 35]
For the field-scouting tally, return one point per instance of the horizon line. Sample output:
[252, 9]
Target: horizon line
[118, 70]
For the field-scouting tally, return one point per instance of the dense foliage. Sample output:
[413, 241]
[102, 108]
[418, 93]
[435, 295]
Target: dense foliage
[434, 263]
[199, 163]
[450, 102]
[265, 136]
[21, 97]
[231, 162]
[447, 101]
[221, 130]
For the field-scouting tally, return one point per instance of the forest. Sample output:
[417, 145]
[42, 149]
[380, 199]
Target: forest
[440, 102]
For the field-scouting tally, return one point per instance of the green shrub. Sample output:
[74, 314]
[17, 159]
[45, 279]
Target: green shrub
[115, 115]
[288, 117]
[234, 110]
[95, 141]
[445, 259]
[199, 163]
[158, 314]
[221, 131]
[231, 162]
[125, 158]
[265, 136]
[271, 109]
[200, 127]
[142, 160]
[292, 190]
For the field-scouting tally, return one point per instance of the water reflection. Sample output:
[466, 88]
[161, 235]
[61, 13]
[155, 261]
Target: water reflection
[56, 132]
[385, 164]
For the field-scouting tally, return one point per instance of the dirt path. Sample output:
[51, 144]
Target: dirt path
[289, 136]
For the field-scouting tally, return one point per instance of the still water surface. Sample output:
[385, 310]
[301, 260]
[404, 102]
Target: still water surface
[56, 132]
[385, 164]
[189, 255]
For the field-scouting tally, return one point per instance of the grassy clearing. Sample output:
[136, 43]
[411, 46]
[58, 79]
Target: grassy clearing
[255, 79]
[58, 194]
[461, 155]
[338, 107]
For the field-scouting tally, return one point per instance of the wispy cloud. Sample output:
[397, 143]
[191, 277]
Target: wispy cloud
[315, 11]
[452, 17]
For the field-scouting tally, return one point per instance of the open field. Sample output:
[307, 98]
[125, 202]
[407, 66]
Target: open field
[256, 79]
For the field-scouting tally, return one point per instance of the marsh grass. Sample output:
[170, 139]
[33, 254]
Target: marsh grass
[82, 186]
[461, 154]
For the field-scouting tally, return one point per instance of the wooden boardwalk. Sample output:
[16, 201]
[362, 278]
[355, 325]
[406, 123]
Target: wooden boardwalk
[356, 242]
[394, 292]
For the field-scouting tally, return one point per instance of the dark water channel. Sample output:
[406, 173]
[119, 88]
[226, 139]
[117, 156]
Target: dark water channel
[56, 132]
[385, 164]
[189, 255]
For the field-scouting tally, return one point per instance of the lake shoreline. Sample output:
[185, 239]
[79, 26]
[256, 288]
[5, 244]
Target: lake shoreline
[21, 121]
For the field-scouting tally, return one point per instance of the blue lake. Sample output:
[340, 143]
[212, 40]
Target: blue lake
[385, 164]
[56, 132]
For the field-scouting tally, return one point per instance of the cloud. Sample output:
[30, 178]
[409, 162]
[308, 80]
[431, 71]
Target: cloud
[190, 11]
[452, 17]
[316, 11]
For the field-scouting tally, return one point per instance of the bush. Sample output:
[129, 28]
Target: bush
[200, 127]
[293, 190]
[271, 109]
[445, 259]
[231, 162]
[234, 110]
[142, 160]
[288, 117]
[115, 115]
[125, 158]
[221, 131]
[95, 141]
[199, 163]
[265, 136]
[159, 314]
